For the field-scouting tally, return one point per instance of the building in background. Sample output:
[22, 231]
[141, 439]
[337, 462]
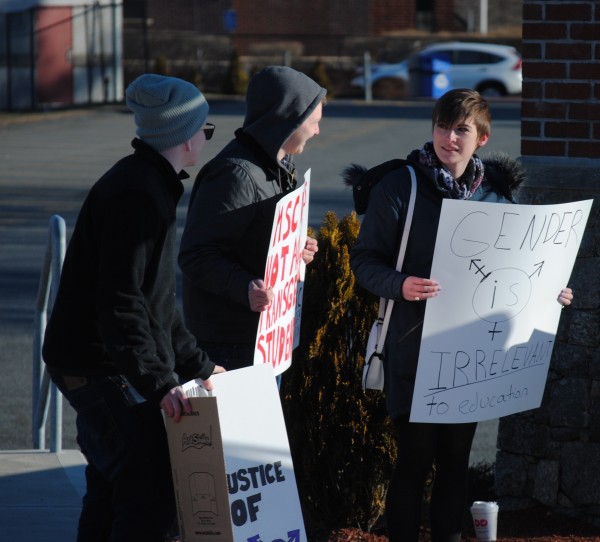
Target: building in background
[69, 52]
[320, 27]
[57, 53]
[197, 40]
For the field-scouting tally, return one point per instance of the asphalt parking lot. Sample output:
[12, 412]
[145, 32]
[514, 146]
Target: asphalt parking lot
[49, 161]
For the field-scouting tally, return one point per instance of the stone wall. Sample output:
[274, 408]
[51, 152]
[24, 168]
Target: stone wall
[551, 455]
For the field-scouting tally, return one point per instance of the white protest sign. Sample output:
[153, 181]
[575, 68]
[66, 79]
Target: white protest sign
[278, 326]
[302, 269]
[488, 337]
[263, 495]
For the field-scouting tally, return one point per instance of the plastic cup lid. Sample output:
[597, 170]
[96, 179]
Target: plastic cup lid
[485, 504]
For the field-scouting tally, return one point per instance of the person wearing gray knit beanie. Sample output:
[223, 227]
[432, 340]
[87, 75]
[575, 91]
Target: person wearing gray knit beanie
[168, 111]
[115, 345]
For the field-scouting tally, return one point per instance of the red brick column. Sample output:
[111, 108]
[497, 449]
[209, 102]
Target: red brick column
[549, 455]
[561, 79]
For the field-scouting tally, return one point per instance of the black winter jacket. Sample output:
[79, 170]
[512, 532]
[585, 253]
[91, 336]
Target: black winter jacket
[373, 258]
[232, 206]
[115, 311]
[226, 239]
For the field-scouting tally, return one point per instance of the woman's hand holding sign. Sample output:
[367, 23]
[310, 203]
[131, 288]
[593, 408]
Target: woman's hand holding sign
[418, 289]
[565, 297]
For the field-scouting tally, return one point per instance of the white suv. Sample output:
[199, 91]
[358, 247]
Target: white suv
[491, 69]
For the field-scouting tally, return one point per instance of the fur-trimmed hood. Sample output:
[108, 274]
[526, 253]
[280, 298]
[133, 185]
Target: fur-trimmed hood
[503, 173]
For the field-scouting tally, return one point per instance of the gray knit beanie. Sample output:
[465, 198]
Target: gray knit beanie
[168, 111]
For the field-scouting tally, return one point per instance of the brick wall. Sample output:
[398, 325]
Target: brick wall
[390, 15]
[298, 17]
[561, 85]
[550, 455]
[186, 15]
[318, 26]
[443, 17]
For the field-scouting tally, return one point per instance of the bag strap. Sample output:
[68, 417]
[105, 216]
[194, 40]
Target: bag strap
[385, 305]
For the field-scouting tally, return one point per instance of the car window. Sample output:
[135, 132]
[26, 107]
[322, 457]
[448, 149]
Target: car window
[476, 57]
[443, 54]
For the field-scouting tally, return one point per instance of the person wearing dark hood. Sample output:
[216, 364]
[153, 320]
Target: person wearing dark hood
[446, 167]
[225, 241]
[115, 344]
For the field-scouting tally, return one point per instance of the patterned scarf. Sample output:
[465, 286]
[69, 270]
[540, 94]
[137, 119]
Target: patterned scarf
[470, 180]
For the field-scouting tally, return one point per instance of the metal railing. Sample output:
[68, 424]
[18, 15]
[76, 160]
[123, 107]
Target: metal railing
[42, 386]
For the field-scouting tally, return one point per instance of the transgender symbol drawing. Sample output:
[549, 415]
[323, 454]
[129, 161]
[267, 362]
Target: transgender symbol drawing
[501, 295]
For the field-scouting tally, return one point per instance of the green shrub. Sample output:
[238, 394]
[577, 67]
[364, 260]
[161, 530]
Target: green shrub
[236, 79]
[161, 65]
[341, 439]
[481, 482]
[320, 75]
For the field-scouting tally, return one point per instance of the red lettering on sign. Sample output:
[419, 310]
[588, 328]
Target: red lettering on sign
[276, 345]
[278, 225]
[295, 218]
[272, 270]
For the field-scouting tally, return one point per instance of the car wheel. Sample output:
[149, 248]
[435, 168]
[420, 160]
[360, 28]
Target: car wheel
[491, 90]
[389, 88]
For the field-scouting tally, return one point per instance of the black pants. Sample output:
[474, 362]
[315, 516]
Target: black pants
[130, 494]
[420, 445]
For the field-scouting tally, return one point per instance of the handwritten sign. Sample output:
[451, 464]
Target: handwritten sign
[263, 495]
[488, 337]
[278, 327]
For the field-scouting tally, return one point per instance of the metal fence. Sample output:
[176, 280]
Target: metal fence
[42, 388]
[59, 56]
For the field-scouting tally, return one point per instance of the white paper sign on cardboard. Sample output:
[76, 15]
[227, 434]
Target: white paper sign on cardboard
[278, 327]
[263, 495]
[198, 468]
[488, 337]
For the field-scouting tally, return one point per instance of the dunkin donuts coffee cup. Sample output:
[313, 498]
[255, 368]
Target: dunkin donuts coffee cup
[485, 520]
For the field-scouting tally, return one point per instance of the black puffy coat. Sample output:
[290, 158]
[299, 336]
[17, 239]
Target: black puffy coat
[373, 258]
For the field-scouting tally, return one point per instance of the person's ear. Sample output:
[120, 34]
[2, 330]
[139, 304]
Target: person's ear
[483, 140]
[188, 145]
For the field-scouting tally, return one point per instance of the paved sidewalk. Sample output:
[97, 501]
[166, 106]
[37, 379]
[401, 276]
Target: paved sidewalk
[40, 495]
[41, 492]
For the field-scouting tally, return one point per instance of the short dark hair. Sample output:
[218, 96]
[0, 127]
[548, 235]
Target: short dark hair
[461, 104]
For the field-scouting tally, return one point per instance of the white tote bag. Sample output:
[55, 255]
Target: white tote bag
[372, 377]
[373, 369]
